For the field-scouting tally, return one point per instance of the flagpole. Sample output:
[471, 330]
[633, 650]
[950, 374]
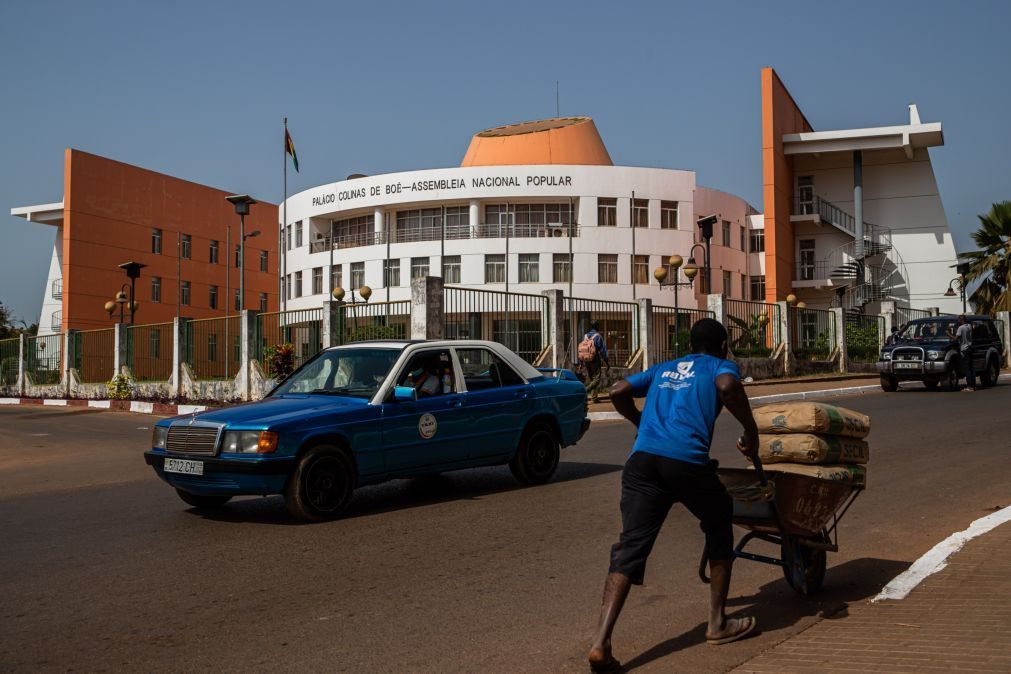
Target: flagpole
[283, 268]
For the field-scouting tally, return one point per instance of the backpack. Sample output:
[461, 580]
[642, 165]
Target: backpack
[587, 351]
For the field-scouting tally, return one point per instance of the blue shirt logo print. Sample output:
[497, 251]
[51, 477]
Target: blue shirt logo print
[678, 379]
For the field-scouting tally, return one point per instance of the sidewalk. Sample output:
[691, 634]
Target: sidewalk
[958, 619]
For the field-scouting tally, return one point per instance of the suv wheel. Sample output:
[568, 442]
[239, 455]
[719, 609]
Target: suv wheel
[990, 374]
[889, 384]
[321, 485]
[950, 376]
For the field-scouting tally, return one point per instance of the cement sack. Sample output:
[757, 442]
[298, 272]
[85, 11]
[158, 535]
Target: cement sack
[809, 448]
[807, 417]
[849, 474]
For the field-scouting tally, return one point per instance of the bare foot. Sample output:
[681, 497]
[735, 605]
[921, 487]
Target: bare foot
[733, 629]
[601, 660]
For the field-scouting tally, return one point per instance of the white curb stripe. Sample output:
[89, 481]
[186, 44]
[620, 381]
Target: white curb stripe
[10, 401]
[937, 557]
[190, 409]
[137, 406]
[55, 402]
[101, 404]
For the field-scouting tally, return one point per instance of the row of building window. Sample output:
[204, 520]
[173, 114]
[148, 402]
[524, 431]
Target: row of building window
[186, 249]
[752, 287]
[186, 294]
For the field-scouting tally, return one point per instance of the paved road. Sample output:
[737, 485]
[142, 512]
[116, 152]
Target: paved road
[103, 568]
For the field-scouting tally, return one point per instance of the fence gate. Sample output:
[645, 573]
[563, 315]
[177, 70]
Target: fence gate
[619, 326]
[9, 353]
[374, 320]
[302, 328]
[518, 321]
[670, 330]
[149, 351]
[814, 332]
[94, 355]
[754, 328]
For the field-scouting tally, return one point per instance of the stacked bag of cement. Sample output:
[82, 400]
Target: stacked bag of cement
[814, 439]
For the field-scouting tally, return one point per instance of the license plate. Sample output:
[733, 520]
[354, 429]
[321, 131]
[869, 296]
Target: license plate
[907, 366]
[184, 466]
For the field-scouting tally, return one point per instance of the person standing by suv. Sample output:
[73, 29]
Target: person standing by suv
[963, 335]
[592, 352]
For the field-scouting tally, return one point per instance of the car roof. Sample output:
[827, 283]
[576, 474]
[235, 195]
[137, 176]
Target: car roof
[525, 369]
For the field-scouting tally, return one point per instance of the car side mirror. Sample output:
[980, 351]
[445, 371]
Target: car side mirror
[404, 394]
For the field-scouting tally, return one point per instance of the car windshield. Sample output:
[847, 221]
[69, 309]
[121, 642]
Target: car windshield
[927, 331]
[356, 372]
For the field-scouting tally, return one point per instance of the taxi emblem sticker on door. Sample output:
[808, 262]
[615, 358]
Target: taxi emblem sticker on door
[427, 426]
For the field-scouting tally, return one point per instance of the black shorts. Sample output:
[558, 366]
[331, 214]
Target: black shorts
[650, 485]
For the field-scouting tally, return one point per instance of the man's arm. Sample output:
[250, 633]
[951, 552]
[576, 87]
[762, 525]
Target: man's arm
[623, 399]
[736, 400]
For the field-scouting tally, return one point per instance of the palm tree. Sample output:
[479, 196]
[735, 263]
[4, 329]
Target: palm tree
[992, 262]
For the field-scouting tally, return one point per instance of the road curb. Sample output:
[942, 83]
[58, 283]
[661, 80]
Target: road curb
[137, 406]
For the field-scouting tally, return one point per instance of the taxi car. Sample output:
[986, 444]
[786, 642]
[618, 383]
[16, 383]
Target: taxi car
[372, 411]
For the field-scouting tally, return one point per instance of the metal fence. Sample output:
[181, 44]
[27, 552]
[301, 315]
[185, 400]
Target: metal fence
[149, 351]
[44, 358]
[864, 337]
[94, 353]
[754, 328]
[10, 352]
[212, 347]
[670, 330]
[905, 314]
[375, 320]
[619, 326]
[302, 328]
[516, 320]
[813, 333]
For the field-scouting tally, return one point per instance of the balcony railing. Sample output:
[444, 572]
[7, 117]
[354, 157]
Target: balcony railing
[57, 289]
[525, 231]
[56, 321]
[826, 210]
[451, 232]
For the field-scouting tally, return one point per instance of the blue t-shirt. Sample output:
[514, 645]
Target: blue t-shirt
[681, 406]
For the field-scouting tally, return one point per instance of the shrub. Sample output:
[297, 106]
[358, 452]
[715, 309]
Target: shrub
[119, 387]
[280, 360]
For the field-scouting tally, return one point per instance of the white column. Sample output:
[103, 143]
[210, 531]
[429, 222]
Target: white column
[475, 214]
[377, 224]
[556, 326]
[840, 331]
[22, 380]
[178, 338]
[786, 319]
[68, 355]
[645, 332]
[119, 348]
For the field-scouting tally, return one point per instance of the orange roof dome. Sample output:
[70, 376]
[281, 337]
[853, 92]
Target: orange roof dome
[560, 140]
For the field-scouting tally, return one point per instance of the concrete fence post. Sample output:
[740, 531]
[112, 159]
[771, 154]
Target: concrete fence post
[556, 326]
[178, 356]
[840, 336]
[1005, 336]
[715, 304]
[119, 348]
[66, 382]
[934, 311]
[427, 300]
[888, 313]
[247, 352]
[646, 333]
[22, 354]
[787, 317]
[330, 330]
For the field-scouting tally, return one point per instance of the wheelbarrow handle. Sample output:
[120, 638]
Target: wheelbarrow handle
[755, 461]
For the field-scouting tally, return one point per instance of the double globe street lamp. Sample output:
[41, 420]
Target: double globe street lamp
[121, 299]
[671, 281]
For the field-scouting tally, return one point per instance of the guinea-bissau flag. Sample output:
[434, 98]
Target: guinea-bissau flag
[289, 147]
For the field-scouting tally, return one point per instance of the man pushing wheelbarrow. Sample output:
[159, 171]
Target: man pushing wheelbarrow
[669, 464]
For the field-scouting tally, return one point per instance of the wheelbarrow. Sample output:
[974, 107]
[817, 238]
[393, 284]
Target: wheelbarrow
[798, 513]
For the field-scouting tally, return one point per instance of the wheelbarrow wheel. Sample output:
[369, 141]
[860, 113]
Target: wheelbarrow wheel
[803, 566]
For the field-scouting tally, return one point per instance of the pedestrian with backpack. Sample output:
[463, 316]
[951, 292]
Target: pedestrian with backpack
[592, 353]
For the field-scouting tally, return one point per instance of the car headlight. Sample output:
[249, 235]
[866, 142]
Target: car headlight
[886, 355]
[933, 355]
[158, 436]
[249, 442]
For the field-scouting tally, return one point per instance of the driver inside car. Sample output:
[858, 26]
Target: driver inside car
[422, 380]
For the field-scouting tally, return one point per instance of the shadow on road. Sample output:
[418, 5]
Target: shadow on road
[776, 606]
[408, 493]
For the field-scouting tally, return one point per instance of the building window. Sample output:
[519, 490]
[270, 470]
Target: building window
[494, 269]
[335, 276]
[451, 269]
[156, 241]
[756, 244]
[156, 288]
[238, 300]
[458, 222]
[744, 240]
[354, 232]
[287, 287]
[607, 268]
[607, 212]
[807, 265]
[561, 268]
[212, 297]
[298, 284]
[420, 224]
[317, 280]
[530, 267]
[668, 215]
[154, 343]
[263, 302]
[744, 289]
[758, 288]
[391, 273]
[184, 293]
[357, 274]
[419, 267]
[186, 247]
[727, 283]
[212, 347]
[298, 234]
[640, 269]
[805, 195]
[640, 212]
[288, 237]
[726, 233]
[213, 253]
[263, 260]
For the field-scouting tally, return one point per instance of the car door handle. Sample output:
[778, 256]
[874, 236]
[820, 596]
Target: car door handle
[456, 403]
[522, 394]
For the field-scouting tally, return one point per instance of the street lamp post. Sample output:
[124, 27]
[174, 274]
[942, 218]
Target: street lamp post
[133, 273]
[242, 202]
[960, 280]
[661, 274]
[706, 228]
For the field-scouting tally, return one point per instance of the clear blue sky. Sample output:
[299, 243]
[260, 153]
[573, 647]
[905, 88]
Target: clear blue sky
[198, 90]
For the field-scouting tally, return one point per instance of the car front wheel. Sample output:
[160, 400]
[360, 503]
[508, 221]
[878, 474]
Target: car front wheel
[321, 485]
[889, 384]
[950, 376]
[537, 456]
[204, 501]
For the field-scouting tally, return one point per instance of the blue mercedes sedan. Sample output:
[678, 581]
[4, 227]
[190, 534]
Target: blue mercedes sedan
[373, 411]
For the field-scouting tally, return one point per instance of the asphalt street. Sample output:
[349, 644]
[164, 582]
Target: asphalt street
[104, 568]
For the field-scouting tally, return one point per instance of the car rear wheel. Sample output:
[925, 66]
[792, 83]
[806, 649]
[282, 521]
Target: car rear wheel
[990, 374]
[204, 501]
[537, 456]
[321, 485]
[889, 383]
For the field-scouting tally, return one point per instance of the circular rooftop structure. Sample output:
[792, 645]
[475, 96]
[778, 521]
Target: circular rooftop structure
[559, 140]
